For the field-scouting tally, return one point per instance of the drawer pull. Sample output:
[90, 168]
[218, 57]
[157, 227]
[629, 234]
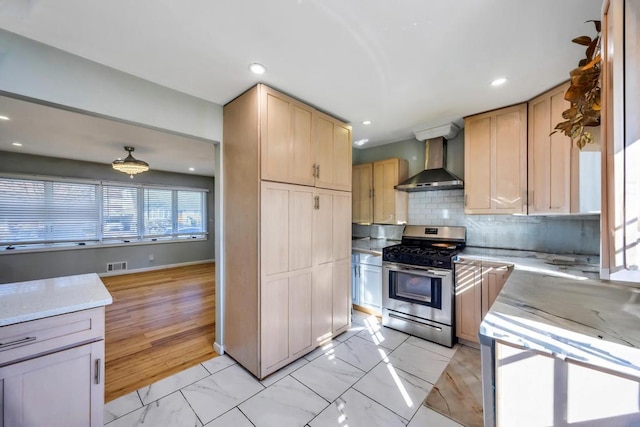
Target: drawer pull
[98, 364]
[17, 342]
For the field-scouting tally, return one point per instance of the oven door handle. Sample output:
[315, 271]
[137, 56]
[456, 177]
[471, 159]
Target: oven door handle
[428, 272]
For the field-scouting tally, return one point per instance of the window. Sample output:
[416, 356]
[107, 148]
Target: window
[44, 212]
[47, 212]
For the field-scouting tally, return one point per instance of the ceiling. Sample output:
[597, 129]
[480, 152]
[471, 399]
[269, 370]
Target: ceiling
[405, 65]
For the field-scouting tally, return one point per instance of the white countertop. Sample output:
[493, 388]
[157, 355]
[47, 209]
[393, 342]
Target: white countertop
[567, 315]
[36, 299]
[371, 246]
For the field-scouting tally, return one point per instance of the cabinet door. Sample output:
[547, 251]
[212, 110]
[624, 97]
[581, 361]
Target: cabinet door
[286, 228]
[333, 154]
[371, 277]
[386, 175]
[494, 277]
[341, 295]
[362, 211]
[323, 223]
[355, 293]
[286, 139]
[58, 390]
[274, 322]
[322, 302]
[549, 157]
[341, 225]
[468, 279]
[495, 161]
[300, 294]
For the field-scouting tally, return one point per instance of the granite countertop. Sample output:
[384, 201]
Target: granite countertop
[371, 246]
[569, 316]
[36, 299]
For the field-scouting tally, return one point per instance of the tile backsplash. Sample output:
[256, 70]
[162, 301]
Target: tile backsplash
[552, 234]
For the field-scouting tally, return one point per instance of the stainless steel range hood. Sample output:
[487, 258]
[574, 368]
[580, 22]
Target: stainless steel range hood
[435, 176]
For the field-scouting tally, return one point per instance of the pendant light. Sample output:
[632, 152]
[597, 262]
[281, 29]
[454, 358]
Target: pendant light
[130, 165]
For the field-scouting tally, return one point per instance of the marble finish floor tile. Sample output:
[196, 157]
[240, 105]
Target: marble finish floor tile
[325, 350]
[352, 331]
[426, 417]
[286, 403]
[121, 406]
[360, 353]
[356, 410]
[359, 317]
[395, 389]
[218, 393]
[433, 347]
[419, 362]
[218, 363]
[458, 392]
[383, 336]
[283, 372]
[170, 411]
[233, 418]
[173, 383]
[328, 376]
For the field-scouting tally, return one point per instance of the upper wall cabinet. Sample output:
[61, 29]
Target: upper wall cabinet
[300, 145]
[562, 178]
[362, 209]
[496, 161]
[374, 197]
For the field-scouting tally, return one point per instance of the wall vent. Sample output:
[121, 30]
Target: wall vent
[117, 266]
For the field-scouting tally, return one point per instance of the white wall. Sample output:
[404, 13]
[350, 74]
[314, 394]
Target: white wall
[39, 71]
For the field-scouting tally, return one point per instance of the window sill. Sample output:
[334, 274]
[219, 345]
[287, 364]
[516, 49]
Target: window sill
[23, 249]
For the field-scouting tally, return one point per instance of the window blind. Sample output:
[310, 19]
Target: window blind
[119, 212]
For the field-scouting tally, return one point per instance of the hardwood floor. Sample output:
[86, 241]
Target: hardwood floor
[160, 323]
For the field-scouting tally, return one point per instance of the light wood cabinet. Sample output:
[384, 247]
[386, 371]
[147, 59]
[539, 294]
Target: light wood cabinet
[620, 254]
[495, 161]
[333, 153]
[301, 145]
[377, 199]
[56, 378]
[284, 243]
[362, 192]
[549, 157]
[468, 280]
[478, 283]
[287, 141]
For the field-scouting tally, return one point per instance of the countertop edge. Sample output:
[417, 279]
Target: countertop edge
[54, 312]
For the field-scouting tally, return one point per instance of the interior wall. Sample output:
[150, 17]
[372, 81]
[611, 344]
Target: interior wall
[413, 151]
[42, 72]
[17, 266]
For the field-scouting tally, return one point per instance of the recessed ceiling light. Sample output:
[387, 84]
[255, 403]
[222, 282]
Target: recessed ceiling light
[4, 118]
[366, 122]
[192, 169]
[17, 144]
[499, 81]
[257, 68]
[361, 142]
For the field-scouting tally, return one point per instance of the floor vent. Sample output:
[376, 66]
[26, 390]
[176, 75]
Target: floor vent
[117, 266]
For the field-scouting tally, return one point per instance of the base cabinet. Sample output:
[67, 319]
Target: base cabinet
[367, 277]
[478, 283]
[56, 390]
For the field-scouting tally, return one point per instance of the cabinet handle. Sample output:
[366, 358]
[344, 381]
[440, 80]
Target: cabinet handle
[17, 342]
[318, 171]
[316, 202]
[314, 171]
[98, 363]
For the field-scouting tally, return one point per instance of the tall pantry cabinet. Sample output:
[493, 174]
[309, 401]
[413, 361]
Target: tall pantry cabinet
[287, 232]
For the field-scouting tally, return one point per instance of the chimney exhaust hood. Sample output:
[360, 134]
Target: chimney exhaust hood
[435, 176]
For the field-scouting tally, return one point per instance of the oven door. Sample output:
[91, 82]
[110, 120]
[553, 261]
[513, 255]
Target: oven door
[419, 291]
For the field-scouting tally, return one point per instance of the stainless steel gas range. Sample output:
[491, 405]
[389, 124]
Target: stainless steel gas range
[417, 281]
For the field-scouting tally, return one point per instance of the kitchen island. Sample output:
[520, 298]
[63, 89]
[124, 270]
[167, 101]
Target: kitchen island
[561, 349]
[52, 351]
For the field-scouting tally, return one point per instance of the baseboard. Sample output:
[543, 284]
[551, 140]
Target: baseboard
[218, 348]
[155, 267]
